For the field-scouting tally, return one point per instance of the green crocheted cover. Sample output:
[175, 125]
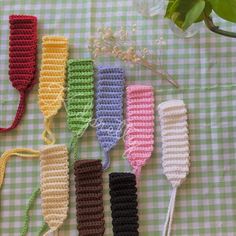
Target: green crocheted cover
[80, 95]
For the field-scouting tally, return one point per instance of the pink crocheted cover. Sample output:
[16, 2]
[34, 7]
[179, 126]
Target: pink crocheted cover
[139, 134]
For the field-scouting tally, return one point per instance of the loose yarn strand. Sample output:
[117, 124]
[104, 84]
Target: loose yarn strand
[43, 228]
[106, 162]
[73, 148]
[19, 113]
[174, 192]
[47, 135]
[170, 213]
[20, 152]
[49, 232]
[25, 227]
[24, 153]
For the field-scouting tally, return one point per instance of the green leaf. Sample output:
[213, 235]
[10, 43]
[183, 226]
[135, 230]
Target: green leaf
[184, 12]
[193, 14]
[226, 9]
[207, 11]
[168, 9]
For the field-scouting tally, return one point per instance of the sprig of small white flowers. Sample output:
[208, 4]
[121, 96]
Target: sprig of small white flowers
[107, 42]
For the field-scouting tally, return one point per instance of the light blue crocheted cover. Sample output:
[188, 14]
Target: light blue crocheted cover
[109, 108]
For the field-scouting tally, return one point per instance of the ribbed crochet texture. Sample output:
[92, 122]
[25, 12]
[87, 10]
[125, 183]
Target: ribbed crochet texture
[54, 185]
[89, 200]
[109, 108]
[139, 133]
[80, 97]
[124, 204]
[52, 81]
[22, 59]
[175, 149]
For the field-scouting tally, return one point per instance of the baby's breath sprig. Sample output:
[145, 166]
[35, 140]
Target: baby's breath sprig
[107, 42]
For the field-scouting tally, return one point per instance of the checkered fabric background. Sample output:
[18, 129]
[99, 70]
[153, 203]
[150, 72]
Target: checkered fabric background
[204, 66]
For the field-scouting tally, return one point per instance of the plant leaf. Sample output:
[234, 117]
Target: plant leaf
[193, 14]
[207, 11]
[168, 9]
[225, 9]
[178, 11]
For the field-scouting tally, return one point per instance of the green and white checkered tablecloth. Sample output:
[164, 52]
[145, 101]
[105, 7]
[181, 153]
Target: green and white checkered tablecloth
[205, 69]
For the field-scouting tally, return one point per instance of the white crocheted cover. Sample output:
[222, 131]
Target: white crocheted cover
[175, 141]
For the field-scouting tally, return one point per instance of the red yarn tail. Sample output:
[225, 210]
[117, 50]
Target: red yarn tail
[19, 113]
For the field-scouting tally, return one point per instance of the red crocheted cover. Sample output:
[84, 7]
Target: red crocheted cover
[22, 59]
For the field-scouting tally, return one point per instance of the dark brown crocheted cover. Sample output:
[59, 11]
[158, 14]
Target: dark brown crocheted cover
[89, 197]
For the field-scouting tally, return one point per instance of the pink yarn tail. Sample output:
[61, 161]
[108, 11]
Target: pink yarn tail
[137, 172]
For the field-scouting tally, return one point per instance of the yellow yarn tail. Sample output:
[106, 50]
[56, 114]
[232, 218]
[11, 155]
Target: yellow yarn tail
[48, 136]
[20, 152]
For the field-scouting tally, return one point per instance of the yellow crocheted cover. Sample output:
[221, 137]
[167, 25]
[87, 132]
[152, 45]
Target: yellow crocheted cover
[54, 186]
[52, 81]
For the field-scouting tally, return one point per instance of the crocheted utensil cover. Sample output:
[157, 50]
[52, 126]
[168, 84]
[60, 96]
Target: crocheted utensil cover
[80, 97]
[175, 149]
[89, 197]
[52, 81]
[175, 143]
[22, 59]
[109, 108]
[139, 134]
[124, 204]
[54, 185]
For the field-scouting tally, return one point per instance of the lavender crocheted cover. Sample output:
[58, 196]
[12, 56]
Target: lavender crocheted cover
[109, 108]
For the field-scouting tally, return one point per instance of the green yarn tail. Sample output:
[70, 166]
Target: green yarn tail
[74, 148]
[33, 197]
[43, 228]
[31, 201]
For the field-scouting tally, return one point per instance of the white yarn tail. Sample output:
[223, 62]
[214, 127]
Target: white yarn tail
[170, 213]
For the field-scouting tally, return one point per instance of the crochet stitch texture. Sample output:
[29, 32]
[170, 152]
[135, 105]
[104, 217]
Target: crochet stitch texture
[22, 59]
[80, 98]
[52, 81]
[139, 133]
[175, 150]
[124, 204]
[109, 108]
[54, 185]
[89, 200]
[175, 143]
[80, 95]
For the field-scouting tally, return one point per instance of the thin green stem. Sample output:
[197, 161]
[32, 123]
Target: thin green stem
[216, 29]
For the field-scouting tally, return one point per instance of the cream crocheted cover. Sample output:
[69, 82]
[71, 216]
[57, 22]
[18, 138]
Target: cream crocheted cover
[54, 184]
